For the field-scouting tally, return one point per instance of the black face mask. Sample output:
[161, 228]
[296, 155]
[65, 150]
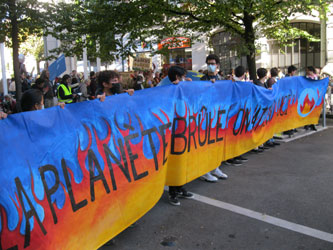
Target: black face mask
[115, 88]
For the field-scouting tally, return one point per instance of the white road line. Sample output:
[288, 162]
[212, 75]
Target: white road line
[266, 218]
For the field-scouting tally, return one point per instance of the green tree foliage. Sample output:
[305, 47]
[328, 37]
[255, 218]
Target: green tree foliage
[116, 27]
[34, 46]
[19, 20]
[108, 22]
[247, 20]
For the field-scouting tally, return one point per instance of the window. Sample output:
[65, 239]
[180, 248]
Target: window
[302, 53]
[223, 44]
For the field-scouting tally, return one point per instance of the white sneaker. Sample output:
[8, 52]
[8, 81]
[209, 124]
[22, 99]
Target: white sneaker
[209, 178]
[219, 174]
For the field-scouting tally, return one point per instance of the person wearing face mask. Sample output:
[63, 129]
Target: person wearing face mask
[108, 84]
[138, 85]
[31, 100]
[213, 68]
[176, 74]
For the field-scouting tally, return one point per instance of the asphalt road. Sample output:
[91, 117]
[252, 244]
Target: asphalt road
[292, 182]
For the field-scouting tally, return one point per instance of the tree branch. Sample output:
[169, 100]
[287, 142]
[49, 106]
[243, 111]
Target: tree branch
[190, 14]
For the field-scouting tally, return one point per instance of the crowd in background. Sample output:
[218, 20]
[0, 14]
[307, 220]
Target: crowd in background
[73, 88]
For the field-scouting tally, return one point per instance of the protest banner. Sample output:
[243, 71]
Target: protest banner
[79, 176]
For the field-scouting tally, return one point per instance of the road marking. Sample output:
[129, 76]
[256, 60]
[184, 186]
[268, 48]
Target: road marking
[266, 218]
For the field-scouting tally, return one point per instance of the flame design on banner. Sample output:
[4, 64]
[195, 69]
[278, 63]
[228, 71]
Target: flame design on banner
[308, 105]
[80, 176]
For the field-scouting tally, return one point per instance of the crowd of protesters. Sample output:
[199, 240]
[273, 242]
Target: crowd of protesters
[42, 93]
[239, 74]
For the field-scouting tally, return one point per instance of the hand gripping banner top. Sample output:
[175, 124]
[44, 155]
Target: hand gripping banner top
[79, 176]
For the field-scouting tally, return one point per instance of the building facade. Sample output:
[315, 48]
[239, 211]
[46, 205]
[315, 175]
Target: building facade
[300, 52]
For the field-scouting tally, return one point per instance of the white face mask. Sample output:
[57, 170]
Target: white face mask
[211, 68]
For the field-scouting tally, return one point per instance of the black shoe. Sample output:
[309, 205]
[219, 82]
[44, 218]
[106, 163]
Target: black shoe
[269, 144]
[241, 158]
[264, 147]
[312, 127]
[173, 200]
[276, 143]
[185, 194]
[233, 162]
[257, 150]
[289, 132]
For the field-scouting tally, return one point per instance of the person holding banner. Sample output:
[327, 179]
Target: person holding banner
[213, 67]
[108, 84]
[33, 99]
[176, 74]
[3, 115]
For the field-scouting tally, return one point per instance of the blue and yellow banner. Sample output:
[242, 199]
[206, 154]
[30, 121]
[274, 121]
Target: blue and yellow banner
[79, 176]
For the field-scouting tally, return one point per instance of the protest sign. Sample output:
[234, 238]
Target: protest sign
[143, 64]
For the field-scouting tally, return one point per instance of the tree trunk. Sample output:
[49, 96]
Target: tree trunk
[15, 44]
[249, 38]
[38, 68]
[251, 63]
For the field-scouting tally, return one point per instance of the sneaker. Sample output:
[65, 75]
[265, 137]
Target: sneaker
[185, 194]
[276, 143]
[219, 174]
[241, 158]
[312, 127]
[233, 162]
[209, 178]
[173, 200]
